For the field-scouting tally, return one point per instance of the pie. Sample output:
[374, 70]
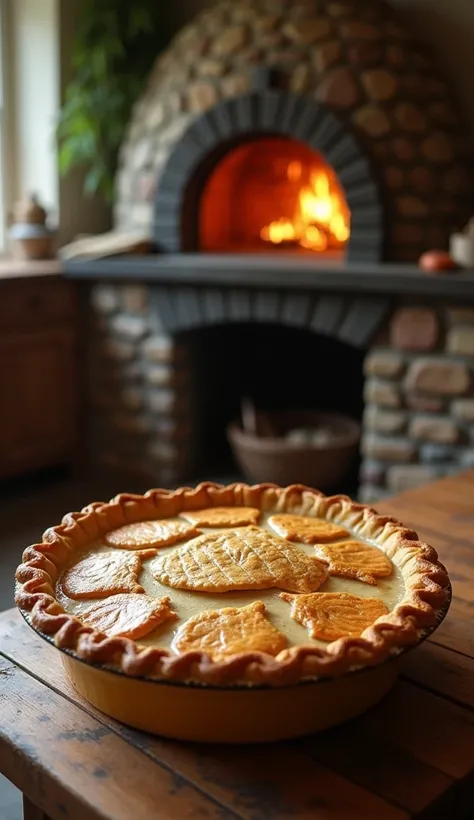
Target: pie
[247, 558]
[232, 585]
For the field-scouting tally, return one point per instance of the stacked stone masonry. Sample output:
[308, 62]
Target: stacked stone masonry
[419, 415]
[353, 57]
[141, 417]
[418, 421]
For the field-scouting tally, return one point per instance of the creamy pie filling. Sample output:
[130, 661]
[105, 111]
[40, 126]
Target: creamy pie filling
[189, 603]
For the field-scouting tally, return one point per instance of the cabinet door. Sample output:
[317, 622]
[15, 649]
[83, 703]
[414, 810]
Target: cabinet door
[37, 400]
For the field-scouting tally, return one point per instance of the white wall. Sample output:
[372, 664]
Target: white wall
[36, 96]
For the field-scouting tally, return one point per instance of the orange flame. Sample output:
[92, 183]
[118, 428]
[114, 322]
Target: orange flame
[321, 219]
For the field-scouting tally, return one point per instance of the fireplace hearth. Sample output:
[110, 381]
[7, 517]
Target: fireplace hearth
[289, 161]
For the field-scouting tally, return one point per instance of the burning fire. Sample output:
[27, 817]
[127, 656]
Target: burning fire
[321, 218]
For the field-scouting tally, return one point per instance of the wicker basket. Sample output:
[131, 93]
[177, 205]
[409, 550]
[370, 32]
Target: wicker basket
[275, 459]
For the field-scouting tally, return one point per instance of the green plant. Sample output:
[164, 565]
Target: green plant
[115, 46]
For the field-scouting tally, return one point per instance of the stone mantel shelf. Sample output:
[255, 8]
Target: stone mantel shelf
[284, 271]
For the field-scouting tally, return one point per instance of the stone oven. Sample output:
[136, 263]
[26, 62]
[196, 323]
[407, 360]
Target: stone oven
[289, 160]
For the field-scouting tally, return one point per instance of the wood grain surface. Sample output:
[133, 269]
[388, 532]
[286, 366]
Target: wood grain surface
[412, 756]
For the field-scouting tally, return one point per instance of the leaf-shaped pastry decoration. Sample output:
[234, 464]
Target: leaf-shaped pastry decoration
[354, 559]
[246, 558]
[332, 615]
[223, 516]
[101, 574]
[150, 534]
[225, 632]
[306, 530]
[128, 615]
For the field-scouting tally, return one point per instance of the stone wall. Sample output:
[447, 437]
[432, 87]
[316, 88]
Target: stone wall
[419, 394]
[355, 59]
[140, 417]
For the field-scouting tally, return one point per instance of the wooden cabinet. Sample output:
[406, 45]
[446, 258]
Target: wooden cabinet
[37, 375]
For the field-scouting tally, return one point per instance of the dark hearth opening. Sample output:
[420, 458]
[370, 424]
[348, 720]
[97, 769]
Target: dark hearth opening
[280, 369]
[272, 193]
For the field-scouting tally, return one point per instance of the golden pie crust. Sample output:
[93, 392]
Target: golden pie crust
[332, 615]
[129, 615]
[306, 530]
[246, 558]
[99, 575]
[154, 534]
[230, 631]
[223, 517]
[354, 559]
[426, 587]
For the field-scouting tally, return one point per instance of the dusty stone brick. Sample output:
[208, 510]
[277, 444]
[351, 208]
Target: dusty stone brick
[384, 421]
[395, 55]
[425, 404]
[165, 451]
[410, 118]
[231, 40]
[364, 54]
[434, 428]
[414, 328]
[438, 453]
[437, 148]
[130, 424]
[339, 8]
[372, 472]
[326, 54]
[132, 398]
[370, 495]
[105, 298]
[129, 327]
[161, 375]
[271, 39]
[404, 478]
[135, 298]
[411, 206]
[380, 84]
[300, 78]
[403, 149]
[266, 23]
[119, 350]
[211, 68]
[438, 376]
[463, 409]
[399, 450]
[161, 349]
[235, 84]
[338, 88]
[385, 364]
[163, 400]
[305, 32]
[372, 120]
[461, 340]
[383, 393]
[467, 458]
[202, 96]
[461, 316]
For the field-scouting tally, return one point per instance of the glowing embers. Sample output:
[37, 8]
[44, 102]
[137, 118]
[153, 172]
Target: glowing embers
[272, 193]
[321, 218]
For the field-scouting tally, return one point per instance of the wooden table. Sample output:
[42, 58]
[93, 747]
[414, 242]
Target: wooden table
[410, 756]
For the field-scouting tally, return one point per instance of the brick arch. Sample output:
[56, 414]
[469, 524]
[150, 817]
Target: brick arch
[276, 113]
[350, 319]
